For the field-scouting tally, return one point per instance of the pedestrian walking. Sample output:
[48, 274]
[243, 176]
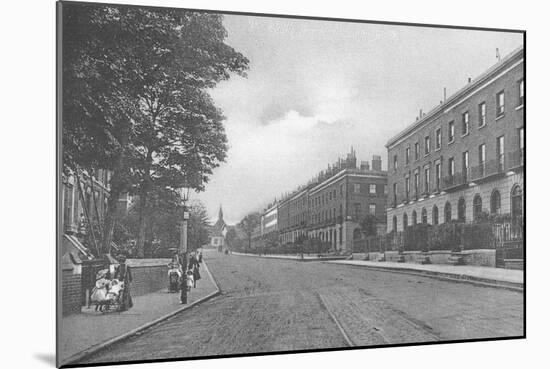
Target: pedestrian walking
[124, 274]
[200, 256]
[194, 267]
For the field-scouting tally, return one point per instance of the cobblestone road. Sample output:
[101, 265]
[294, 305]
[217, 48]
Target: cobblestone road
[272, 305]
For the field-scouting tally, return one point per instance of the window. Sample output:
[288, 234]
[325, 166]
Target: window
[478, 207]
[482, 156]
[414, 220]
[407, 155]
[67, 205]
[437, 176]
[451, 167]
[517, 202]
[426, 145]
[405, 220]
[407, 187]
[521, 137]
[395, 194]
[448, 212]
[356, 188]
[394, 223]
[465, 123]
[416, 183]
[462, 209]
[451, 132]
[426, 180]
[424, 216]
[482, 110]
[500, 103]
[372, 189]
[495, 202]
[416, 151]
[438, 139]
[372, 209]
[385, 189]
[521, 92]
[500, 153]
[395, 162]
[341, 190]
[465, 163]
[435, 215]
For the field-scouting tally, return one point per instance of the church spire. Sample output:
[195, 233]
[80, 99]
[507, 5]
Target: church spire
[220, 214]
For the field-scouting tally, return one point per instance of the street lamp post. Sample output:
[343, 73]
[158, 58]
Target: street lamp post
[184, 193]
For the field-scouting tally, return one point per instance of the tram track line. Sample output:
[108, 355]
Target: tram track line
[348, 340]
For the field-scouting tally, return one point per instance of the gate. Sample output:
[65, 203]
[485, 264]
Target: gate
[509, 243]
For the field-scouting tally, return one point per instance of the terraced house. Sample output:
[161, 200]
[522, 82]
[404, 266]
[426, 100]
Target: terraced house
[465, 158]
[331, 207]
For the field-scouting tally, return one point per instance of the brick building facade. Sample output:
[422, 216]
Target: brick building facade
[465, 157]
[331, 207]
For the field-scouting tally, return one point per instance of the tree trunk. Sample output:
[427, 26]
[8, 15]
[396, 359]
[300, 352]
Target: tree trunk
[142, 225]
[118, 186]
[143, 193]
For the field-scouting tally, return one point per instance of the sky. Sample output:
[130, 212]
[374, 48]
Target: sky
[316, 88]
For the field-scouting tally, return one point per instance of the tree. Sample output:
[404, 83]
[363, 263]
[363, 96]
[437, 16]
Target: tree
[139, 77]
[198, 226]
[248, 224]
[368, 225]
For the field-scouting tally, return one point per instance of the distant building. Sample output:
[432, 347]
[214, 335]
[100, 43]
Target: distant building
[466, 156]
[268, 220]
[332, 206]
[218, 232]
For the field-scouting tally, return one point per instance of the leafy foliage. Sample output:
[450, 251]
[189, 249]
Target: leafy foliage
[136, 101]
[248, 224]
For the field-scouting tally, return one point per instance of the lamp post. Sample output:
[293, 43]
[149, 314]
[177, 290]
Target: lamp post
[184, 194]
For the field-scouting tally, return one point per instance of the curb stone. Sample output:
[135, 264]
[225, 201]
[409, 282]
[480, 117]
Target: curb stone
[459, 278]
[74, 359]
[305, 260]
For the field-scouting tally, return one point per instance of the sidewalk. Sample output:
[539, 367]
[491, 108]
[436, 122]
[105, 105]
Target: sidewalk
[81, 332]
[496, 277]
[294, 257]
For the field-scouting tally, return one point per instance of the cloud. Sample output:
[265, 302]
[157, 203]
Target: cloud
[316, 88]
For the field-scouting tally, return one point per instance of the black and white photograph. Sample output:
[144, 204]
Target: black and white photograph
[236, 184]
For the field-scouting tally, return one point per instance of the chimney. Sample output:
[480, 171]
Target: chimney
[365, 165]
[444, 94]
[469, 79]
[377, 163]
[420, 114]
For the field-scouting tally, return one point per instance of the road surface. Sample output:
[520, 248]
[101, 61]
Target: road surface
[270, 305]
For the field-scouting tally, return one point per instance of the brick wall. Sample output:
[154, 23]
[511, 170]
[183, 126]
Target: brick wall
[71, 292]
[148, 277]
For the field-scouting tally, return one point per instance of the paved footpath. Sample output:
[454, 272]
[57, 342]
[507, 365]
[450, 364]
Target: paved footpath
[80, 332]
[506, 277]
[270, 305]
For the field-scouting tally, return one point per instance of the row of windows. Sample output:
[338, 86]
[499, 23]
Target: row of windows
[477, 208]
[482, 160]
[465, 126]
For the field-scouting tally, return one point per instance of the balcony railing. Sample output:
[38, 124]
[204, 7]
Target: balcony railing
[456, 180]
[488, 169]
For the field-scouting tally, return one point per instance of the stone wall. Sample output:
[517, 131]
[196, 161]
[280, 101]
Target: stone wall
[149, 275]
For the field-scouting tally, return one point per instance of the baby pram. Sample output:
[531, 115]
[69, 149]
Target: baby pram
[107, 293]
[174, 277]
